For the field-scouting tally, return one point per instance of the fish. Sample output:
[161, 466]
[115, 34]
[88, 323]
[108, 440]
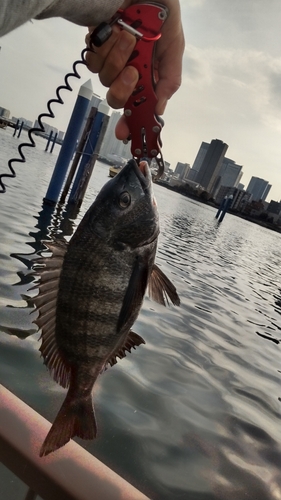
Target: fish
[91, 290]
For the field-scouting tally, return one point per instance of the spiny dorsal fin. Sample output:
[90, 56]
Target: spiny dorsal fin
[161, 289]
[132, 341]
[49, 270]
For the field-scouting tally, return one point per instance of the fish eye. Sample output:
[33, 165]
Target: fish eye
[124, 199]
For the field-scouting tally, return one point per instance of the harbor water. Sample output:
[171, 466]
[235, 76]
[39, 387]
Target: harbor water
[194, 414]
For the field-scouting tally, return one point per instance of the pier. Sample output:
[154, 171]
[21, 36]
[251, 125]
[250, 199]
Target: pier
[5, 122]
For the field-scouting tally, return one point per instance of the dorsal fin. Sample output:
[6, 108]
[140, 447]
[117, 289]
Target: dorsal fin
[132, 341]
[49, 270]
[161, 289]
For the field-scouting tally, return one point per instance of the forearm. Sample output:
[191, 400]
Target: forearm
[82, 12]
[13, 13]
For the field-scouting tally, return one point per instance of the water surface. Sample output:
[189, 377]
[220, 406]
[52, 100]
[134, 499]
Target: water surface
[195, 413]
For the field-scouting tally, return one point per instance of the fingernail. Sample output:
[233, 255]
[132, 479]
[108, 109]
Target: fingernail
[129, 75]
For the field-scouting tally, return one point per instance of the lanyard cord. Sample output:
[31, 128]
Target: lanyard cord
[50, 114]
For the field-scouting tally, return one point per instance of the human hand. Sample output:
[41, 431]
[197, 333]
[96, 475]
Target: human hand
[110, 61]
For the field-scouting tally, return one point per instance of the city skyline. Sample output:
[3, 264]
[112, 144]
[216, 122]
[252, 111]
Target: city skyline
[210, 159]
[210, 166]
[218, 174]
[230, 88]
[259, 188]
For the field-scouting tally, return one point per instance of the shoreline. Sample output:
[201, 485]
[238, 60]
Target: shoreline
[267, 225]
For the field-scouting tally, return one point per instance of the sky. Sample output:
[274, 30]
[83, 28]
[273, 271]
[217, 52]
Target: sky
[231, 87]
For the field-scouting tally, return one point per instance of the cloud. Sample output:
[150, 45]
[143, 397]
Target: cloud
[243, 80]
[275, 87]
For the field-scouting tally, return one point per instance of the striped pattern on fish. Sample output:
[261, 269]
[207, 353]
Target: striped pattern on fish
[91, 292]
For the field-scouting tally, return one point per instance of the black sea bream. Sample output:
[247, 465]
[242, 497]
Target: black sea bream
[91, 291]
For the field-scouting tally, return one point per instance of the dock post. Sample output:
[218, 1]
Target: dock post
[69, 144]
[226, 206]
[20, 129]
[16, 127]
[221, 207]
[78, 153]
[49, 140]
[53, 142]
[90, 155]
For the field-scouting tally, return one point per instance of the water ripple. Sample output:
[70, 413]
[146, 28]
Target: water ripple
[195, 413]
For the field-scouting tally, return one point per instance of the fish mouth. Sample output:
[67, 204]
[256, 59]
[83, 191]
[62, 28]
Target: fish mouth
[142, 171]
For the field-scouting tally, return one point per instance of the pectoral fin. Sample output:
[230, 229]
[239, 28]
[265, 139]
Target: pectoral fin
[161, 289]
[134, 294]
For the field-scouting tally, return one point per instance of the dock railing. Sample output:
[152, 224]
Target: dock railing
[70, 473]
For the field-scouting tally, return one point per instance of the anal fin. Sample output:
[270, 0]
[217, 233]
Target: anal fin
[132, 341]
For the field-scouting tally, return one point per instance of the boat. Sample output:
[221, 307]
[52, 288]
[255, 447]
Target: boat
[115, 170]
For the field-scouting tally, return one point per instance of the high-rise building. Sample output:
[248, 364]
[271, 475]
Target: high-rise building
[267, 189]
[182, 170]
[229, 175]
[200, 156]
[258, 188]
[110, 144]
[192, 174]
[211, 164]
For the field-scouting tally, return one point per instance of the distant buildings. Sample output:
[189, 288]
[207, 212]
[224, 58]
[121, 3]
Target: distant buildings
[220, 177]
[5, 113]
[216, 174]
[198, 161]
[240, 197]
[211, 164]
[267, 189]
[192, 174]
[27, 123]
[274, 211]
[229, 175]
[110, 144]
[211, 170]
[182, 170]
[48, 128]
[274, 207]
[258, 188]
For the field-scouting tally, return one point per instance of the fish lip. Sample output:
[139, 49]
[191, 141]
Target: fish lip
[144, 177]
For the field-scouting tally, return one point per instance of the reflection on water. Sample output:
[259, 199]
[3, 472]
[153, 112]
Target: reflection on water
[195, 413]
[52, 223]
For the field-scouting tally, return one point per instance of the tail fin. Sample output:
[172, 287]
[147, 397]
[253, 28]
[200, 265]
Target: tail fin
[75, 418]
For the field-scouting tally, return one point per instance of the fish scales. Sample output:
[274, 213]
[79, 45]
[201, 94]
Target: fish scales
[86, 312]
[95, 292]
